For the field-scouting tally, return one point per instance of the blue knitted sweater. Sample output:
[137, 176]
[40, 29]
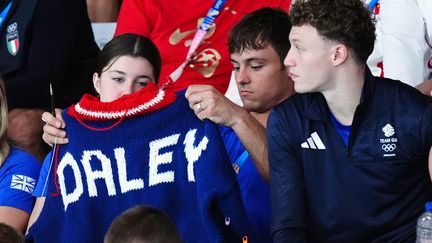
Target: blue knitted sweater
[166, 158]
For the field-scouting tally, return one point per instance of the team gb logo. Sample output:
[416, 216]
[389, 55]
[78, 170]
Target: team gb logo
[388, 130]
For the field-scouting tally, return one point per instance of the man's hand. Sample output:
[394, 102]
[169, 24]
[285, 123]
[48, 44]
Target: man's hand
[208, 103]
[53, 129]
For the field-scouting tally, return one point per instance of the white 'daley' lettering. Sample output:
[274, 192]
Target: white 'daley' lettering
[193, 153]
[72, 195]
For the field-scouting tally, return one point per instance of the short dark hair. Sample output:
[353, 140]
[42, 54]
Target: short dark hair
[345, 21]
[8, 234]
[142, 224]
[130, 45]
[265, 26]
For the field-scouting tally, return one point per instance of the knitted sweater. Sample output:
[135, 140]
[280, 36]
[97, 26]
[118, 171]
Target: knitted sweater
[166, 158]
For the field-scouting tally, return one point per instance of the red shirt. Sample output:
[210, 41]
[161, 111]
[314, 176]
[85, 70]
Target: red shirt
[171, 25]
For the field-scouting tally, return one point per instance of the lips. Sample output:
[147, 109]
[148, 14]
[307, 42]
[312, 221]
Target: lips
[245, 92]
[292, 75]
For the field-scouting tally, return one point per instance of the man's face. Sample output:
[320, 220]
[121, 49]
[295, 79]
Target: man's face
[261, 79]
[309, 60]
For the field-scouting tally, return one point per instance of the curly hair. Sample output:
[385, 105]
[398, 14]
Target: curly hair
[345, 21]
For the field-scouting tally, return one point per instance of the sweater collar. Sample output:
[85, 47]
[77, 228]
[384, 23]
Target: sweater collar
[148, 99]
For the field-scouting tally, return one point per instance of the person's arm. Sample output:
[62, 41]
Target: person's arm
[288, 200]
[425, 87]
[217, 108]
[14, 217]
[54, 128]
[103, 10]
[253, 137]
[403, 56]
[16, 201]
[56, 30]
[430, 163]
[40, 201]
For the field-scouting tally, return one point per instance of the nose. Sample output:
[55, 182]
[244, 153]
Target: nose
[242, 76]
[128, 89]
[289, 59]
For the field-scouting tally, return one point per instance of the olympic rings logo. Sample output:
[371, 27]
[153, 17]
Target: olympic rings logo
[388, 147]
[12, 27]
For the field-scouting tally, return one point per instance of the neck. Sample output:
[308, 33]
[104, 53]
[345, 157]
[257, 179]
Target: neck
[261, 117]
[345, 97]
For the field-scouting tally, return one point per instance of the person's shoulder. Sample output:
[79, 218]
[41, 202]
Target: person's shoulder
[297, 102]
[400, 92]
[20, 161]
[297, 109]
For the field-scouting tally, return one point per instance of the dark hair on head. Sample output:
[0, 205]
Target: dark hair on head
[8, 234]
[130, 45]
[345, 21]
[142, 224]
[265, 26]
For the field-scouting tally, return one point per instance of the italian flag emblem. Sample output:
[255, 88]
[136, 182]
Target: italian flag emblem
[13, 43]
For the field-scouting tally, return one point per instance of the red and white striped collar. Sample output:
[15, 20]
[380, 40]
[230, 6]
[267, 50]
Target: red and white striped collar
[148, 99]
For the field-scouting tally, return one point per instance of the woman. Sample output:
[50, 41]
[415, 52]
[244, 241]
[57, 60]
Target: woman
[18, 173]
[125, 65]
[137, 144]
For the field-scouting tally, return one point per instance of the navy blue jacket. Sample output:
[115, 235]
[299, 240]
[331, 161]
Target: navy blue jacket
[373, 190]
[55, 44]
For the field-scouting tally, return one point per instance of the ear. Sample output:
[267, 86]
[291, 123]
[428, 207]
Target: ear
[96, 82]
[339, 54]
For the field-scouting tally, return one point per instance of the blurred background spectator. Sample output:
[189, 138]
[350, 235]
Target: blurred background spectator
[45, 41]
[403, 48]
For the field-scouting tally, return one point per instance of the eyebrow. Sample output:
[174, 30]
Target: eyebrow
[123, 73]
[250, 60]
[145, 76]
[117, 71]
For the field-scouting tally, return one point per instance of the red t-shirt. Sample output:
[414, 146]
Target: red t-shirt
[171, 25]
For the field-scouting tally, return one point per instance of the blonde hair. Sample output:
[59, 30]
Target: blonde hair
[4, 146]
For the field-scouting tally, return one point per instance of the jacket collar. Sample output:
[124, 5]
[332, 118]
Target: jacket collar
[317, 109]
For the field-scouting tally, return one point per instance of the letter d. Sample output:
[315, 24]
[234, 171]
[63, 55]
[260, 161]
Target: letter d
[74, 196]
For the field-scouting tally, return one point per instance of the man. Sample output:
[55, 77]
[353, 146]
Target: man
[258, 46]
[348, 154]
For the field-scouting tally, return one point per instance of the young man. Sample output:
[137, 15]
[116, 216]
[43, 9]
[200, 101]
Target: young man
[348, 155]
[258, 46]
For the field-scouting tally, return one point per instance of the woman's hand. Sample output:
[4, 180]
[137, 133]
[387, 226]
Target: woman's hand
[54, 128]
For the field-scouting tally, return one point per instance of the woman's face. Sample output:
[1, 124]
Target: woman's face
[125, 75]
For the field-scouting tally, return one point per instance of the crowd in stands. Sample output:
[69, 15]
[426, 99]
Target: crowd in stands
[139, 141]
